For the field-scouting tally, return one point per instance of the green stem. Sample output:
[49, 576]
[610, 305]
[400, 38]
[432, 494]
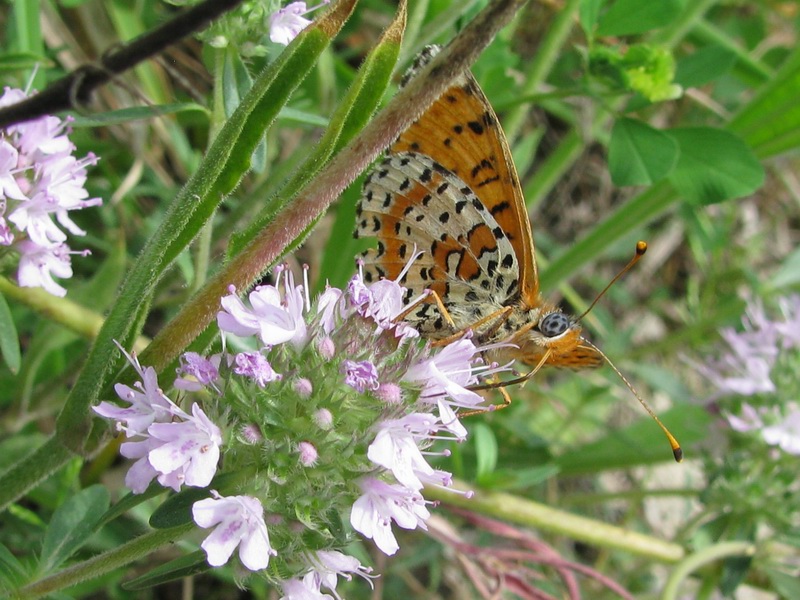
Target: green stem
[532, 514]
[755, 71]
[25, 474]
[539, 67]
[697, 560]
[86, 323]
[104, 563]
[691, 17]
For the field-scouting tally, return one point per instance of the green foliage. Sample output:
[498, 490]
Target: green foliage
[71, 525]
[714, 166]
[696, 103]
[641, 68]
[639, 154]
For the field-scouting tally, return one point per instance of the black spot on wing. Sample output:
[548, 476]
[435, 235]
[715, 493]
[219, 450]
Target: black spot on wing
[500, 207]
[476, 127]
[487, 181]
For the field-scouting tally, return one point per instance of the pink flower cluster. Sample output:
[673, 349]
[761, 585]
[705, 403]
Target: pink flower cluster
[177, 448]
[751, 367]
[40, 180]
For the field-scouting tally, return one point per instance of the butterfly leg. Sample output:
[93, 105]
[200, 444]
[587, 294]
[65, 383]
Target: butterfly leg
[440, 305]
[492, 407]
[499, 315]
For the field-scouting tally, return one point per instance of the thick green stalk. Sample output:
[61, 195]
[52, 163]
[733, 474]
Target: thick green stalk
[95, 567]
[532, 514]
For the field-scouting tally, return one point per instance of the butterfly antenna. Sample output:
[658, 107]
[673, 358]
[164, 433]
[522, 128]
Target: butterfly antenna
[641, 248]
[676, 447]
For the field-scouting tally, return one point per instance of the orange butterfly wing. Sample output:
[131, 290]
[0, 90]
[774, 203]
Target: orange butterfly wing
[461, 132]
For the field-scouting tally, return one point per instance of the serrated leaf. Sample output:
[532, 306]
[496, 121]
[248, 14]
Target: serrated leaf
[639, 154]
[185, 566]
[485, 451]
[9, 340]
[714, 165]
[72, 525]
[628, 17]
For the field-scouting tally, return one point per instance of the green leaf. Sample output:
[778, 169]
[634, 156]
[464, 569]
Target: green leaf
[714, 165]
[485, 451]
[707, 64]
[185, 566]
[12, 572]
[71, 526]
[236, 82]
[531, 476]
[177, 510]
[349, 117]
[639, 154]
[9, 340]
[640, 444]
[23, 61]
[641, 68]
[770, 123]
[628, 17]
[786, 584]
[138, 113]
[788, 274]
[589, 11]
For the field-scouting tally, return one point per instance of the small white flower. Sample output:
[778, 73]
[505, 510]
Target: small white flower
[274, 319]
[189, 450]
[38, 264]
[307, 588]
[239, 521]
[148, 404]
[444, 379]
[396, 448]
[373, 512]
[288, 22]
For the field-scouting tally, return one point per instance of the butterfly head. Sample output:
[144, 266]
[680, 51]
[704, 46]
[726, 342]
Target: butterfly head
[558, 336]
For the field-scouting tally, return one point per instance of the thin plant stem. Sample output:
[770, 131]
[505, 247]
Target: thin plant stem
[699, 559]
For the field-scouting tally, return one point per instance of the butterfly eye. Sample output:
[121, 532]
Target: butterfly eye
[554, 324]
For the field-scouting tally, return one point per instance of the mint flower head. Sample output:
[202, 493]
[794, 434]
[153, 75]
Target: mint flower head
[755, 377]
[41, 182]
[319, 413]
[285, 24]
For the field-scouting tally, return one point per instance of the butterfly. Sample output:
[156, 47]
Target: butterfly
[448, 187]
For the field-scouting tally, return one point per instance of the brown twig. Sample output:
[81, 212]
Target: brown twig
[75, 89]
